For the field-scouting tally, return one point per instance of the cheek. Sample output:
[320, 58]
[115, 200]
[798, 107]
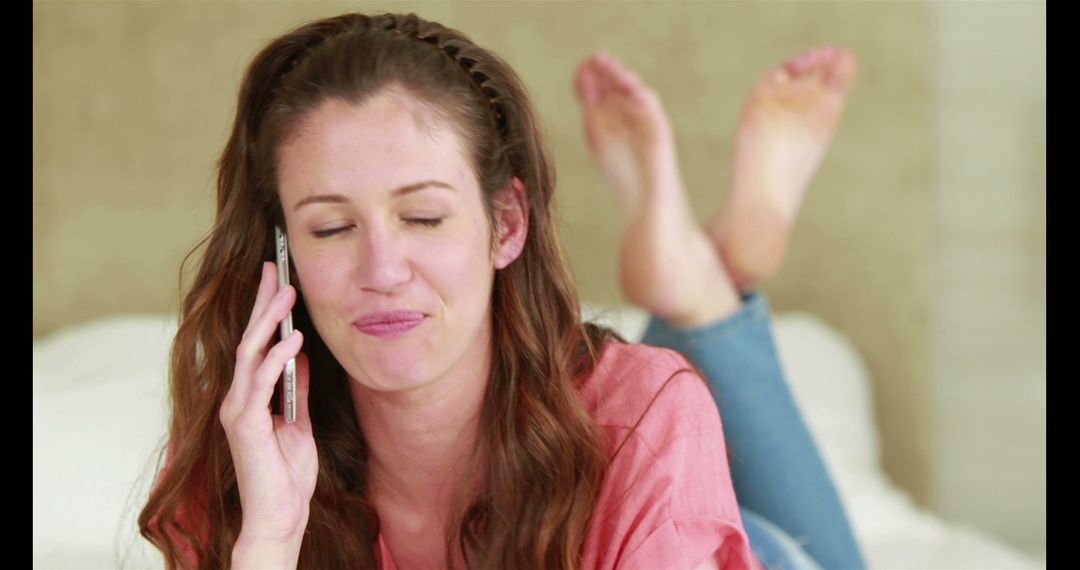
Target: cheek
[459, 267]
[321, 280]
[453, 264]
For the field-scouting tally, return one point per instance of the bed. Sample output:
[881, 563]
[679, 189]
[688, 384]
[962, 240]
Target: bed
[99, 392]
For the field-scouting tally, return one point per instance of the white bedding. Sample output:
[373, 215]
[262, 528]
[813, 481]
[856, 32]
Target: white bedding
[100, 413]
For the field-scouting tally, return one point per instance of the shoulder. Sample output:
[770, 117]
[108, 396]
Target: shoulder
[642, 387]
[667, 498]
[657, 415]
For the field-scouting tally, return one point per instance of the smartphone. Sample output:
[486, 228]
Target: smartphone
[288, 379]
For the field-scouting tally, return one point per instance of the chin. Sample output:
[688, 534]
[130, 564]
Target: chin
[390, 371]
[384, 366]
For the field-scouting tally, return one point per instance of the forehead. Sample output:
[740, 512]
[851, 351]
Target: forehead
[389, 141]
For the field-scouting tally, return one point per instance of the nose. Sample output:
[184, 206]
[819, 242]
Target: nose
[383, 264]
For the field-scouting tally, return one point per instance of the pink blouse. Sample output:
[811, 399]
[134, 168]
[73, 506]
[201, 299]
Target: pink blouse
[667, 501]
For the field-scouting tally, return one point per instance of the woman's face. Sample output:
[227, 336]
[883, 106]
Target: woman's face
[386, 226]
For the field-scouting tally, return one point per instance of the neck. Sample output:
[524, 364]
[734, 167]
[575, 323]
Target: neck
[420, 441]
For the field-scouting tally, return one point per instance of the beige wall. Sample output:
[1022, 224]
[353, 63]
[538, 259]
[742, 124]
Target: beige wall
[133, 103]
[989, 358]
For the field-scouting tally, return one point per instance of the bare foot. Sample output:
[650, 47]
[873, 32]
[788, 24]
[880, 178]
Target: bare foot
[667, 265]
[786, 128]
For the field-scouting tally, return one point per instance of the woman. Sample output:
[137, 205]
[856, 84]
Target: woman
[453, 409]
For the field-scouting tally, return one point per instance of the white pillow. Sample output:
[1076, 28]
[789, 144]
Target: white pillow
[99, 414]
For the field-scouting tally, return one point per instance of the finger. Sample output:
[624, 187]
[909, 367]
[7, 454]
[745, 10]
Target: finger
[262, 329]
[270, 371]
[267, 289]
[252, 350]
[268, 286]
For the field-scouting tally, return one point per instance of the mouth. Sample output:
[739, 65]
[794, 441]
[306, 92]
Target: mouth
[389, 324]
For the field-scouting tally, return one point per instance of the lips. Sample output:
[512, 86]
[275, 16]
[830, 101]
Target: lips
[388, 323]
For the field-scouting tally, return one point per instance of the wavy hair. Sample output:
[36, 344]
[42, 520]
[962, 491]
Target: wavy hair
[540, 457]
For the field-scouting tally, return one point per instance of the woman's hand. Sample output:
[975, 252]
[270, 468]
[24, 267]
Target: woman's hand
[276, 462]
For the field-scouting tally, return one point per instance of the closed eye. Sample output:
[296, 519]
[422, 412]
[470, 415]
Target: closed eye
[327, 233]
[428, 222]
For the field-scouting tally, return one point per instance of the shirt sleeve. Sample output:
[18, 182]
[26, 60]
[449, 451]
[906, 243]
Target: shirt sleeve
[694, 545]
[669, 501]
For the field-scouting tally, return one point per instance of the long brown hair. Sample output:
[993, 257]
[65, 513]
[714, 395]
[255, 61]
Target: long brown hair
[539, 455]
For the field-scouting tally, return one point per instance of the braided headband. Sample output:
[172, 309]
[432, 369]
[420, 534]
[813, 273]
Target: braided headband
[467, 63]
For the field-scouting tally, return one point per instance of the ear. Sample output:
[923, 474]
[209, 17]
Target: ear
[512, 219]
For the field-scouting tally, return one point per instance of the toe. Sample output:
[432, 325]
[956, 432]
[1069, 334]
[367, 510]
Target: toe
[817, 55]
[603, 74]
[780, 75]
[625, 79]
[842, 71]
[586, 83]
[627, 82]
[800, 63]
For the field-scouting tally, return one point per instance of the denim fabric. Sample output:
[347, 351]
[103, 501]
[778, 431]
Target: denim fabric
[776, 469]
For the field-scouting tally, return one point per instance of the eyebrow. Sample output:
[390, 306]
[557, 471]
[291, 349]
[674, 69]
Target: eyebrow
[339, 199]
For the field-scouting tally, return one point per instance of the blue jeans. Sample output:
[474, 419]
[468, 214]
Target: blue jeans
[780, 480]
